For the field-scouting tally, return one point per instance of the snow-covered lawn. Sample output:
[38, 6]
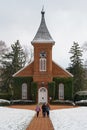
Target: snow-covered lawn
[69, 119]
[15, 119]
[64, 119]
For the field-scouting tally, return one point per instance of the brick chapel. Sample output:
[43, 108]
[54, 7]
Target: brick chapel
[42, 68]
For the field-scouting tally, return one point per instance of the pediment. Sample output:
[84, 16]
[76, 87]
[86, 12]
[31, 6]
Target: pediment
[26, 71]
[58, 71]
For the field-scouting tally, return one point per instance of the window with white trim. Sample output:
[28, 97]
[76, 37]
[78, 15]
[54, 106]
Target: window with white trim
[61, 91]
[42, 62]
[24, 91]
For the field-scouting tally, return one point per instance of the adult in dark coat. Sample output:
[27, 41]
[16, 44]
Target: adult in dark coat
[47, 109]
[44, 109]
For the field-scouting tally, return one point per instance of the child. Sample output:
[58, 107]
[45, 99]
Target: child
[37, 110]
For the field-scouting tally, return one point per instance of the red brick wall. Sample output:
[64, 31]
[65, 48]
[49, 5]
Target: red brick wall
[58, 71]
[42, 76]
[26, 71]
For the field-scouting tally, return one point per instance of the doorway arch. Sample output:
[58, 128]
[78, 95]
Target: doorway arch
[42, 95]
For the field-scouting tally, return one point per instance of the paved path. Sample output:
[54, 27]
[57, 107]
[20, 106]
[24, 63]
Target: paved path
[40, 123]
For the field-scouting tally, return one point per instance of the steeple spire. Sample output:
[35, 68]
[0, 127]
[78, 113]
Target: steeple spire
[42, 35]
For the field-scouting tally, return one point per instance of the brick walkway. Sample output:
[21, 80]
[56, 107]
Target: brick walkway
[40, 123]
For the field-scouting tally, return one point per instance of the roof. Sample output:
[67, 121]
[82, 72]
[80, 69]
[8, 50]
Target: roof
[42, 35]
[59, 71]
[25, 71]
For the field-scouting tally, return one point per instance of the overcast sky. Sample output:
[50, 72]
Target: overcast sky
[66, 21]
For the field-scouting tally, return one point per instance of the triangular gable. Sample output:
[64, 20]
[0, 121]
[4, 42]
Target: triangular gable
[26, 71]
[58, 71]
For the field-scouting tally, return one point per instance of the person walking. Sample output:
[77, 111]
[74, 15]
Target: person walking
[37, 109]
[47, 109]
[44, 109]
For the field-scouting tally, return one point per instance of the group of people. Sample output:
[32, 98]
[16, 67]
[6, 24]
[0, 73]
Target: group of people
[45, 109]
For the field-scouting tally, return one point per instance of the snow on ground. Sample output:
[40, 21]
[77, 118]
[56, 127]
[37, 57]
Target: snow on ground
[15, 119]
[64, 119]
[69, 119]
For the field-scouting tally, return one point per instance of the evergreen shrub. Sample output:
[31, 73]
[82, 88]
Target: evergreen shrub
[51, 90]
[17, 87]
[68, 87]
[34, 91]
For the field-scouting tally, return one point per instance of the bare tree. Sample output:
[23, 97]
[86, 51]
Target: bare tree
[29, 53]
[3, 49]
[84, 47]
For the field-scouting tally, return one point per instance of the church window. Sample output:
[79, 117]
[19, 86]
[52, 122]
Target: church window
[24, 91]
[61, 91]
[42, 64]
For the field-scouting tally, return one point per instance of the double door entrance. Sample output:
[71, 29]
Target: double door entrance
[42, 95]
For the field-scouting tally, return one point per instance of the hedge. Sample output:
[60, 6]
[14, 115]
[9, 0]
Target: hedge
[34, 90]
[6, 96]
[17, 86]
[68, 88]
[51, 90]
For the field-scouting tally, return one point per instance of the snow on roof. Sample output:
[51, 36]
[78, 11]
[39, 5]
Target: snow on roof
[42, 35]
[81, 93]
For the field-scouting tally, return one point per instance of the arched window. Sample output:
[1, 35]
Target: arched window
[24, 91]
[61, 91]
[42, 64]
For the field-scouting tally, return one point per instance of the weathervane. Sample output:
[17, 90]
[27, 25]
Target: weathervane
[43, 10]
